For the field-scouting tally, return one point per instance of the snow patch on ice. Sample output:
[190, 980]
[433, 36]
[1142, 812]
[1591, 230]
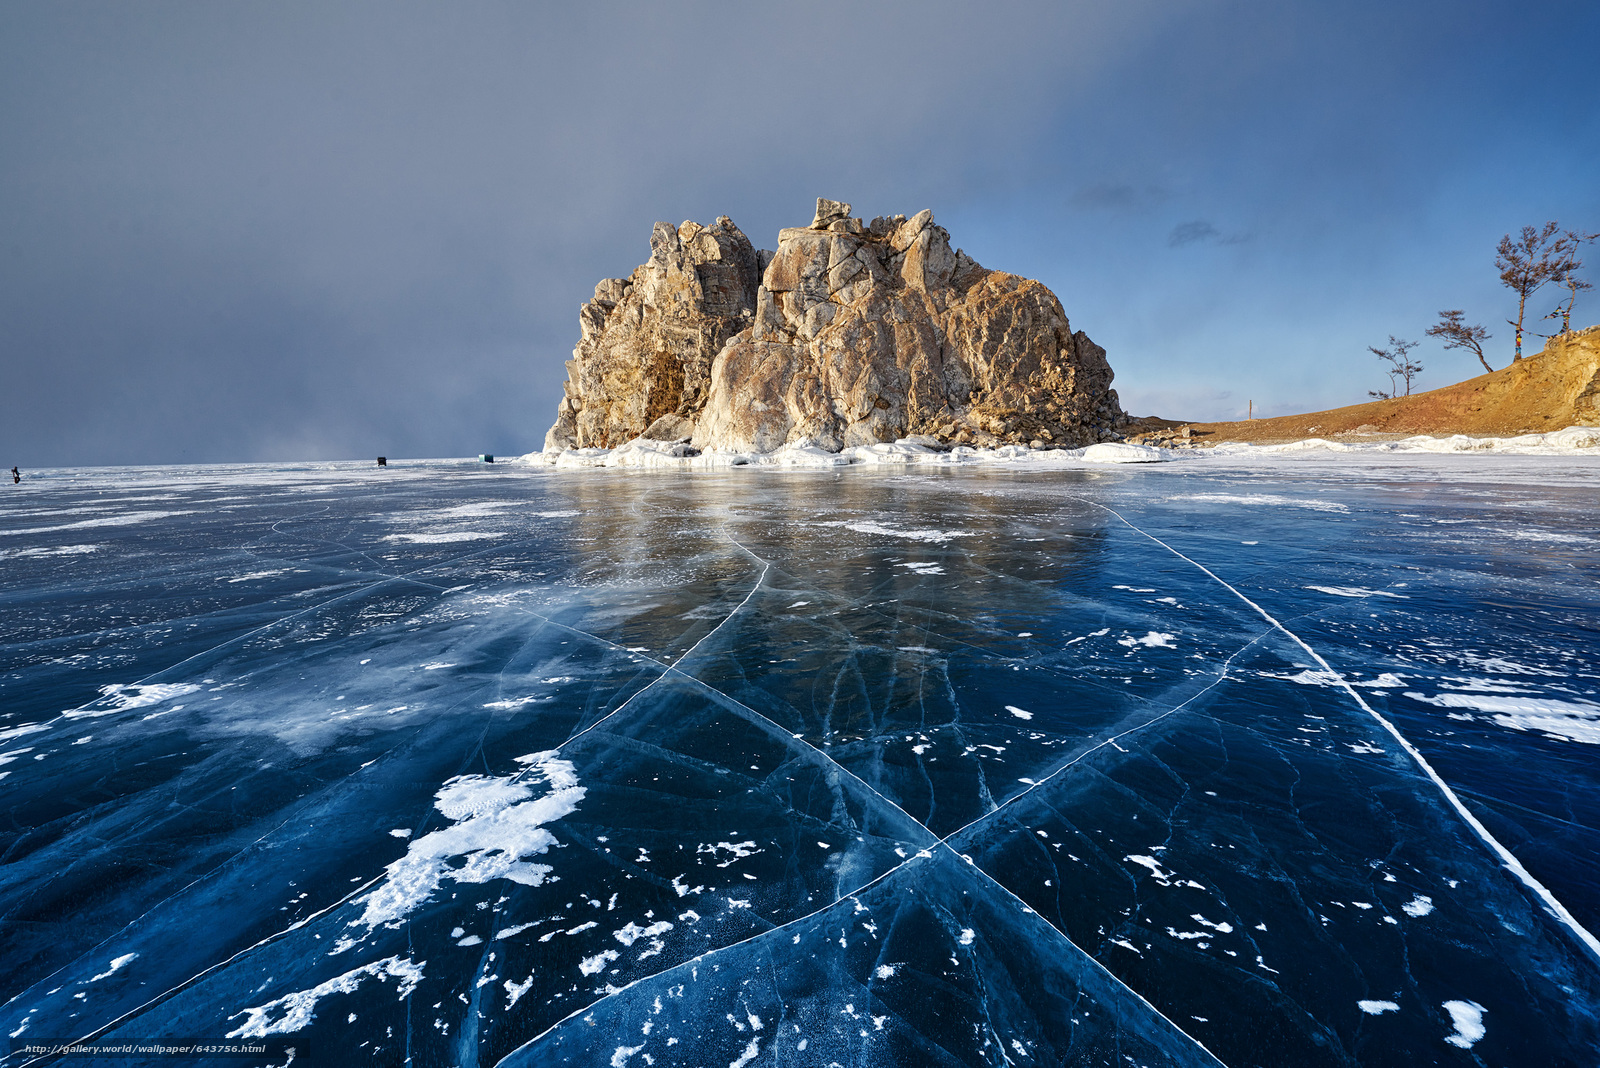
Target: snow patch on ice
[1576, 721]
[1265, 498]
[633, 932]
[256, 575]
[1355, 591]
[119, 697]
[869, 527]
[48, 550]
[1161, 876]
[511, 704]
[516, 990]
[445, 537]
[1154, 640]
[596, 964]
[496, 823]
[513, 930]
[1385, 681]
[1468, 1019]
[294, 1011]
[736, 851]
[624, 1054]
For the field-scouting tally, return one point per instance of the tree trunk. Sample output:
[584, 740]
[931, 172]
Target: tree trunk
[1522, 303]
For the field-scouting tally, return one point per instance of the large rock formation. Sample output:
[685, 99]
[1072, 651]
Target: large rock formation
[848, 334]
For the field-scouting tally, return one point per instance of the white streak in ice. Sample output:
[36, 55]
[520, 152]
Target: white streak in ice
[123, 520]
[116, 964]
[1354, 591]
[1507, 858]
[444, 538]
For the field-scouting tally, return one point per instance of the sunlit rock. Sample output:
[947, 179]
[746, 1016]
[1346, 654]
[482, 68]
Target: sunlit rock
[848, 334]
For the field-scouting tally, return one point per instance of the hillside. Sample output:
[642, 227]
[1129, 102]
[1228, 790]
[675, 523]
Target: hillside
[1552, 389]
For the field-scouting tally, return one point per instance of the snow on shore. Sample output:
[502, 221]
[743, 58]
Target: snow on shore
[1579, 440]
[644, 453]
[1583, 441]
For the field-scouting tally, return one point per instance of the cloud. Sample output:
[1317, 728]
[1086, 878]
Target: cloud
[1202, 232]
[1190, 232]
[1115, 196]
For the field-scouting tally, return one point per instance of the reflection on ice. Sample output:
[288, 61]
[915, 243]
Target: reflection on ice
[1175, 764]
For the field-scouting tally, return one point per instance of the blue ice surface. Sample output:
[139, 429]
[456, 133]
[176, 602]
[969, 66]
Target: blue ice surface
[440, 764]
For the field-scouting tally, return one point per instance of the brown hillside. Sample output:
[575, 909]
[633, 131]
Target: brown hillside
[1552, 389]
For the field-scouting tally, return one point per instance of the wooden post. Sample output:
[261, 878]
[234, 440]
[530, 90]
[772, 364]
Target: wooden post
[1252, 412]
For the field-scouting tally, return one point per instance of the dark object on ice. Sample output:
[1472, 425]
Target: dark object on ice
[383, 461]
[486, 457]
[16, 476]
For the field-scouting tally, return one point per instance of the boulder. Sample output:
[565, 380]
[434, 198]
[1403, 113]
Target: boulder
[846, 334]
[828, 213]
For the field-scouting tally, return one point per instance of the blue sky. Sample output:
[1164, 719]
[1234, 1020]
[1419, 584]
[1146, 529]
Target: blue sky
[334, 230]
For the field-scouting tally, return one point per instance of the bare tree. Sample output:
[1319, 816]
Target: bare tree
[1539, 255]
[1569, 277]
[1456, 333]
[1400, 367]
[1575, 285]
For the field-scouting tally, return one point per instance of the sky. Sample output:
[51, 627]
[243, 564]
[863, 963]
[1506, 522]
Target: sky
[336, 230]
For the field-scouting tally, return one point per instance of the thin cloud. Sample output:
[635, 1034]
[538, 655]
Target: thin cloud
[1113, 196]
[1202, 232]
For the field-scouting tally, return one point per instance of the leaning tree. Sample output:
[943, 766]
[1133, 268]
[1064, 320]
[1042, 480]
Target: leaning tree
[1456, 333]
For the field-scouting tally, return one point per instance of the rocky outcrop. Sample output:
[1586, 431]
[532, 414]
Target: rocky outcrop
[848, 334]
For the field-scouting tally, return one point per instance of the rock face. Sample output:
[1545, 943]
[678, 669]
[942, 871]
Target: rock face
[849, 334]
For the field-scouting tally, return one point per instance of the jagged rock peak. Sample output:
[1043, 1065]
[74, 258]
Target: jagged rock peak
[849, 333]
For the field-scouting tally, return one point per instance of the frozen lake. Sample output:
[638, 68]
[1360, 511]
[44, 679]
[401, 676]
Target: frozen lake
[1278, 761]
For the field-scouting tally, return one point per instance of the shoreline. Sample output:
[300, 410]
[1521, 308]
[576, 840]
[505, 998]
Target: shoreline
[643, 453]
